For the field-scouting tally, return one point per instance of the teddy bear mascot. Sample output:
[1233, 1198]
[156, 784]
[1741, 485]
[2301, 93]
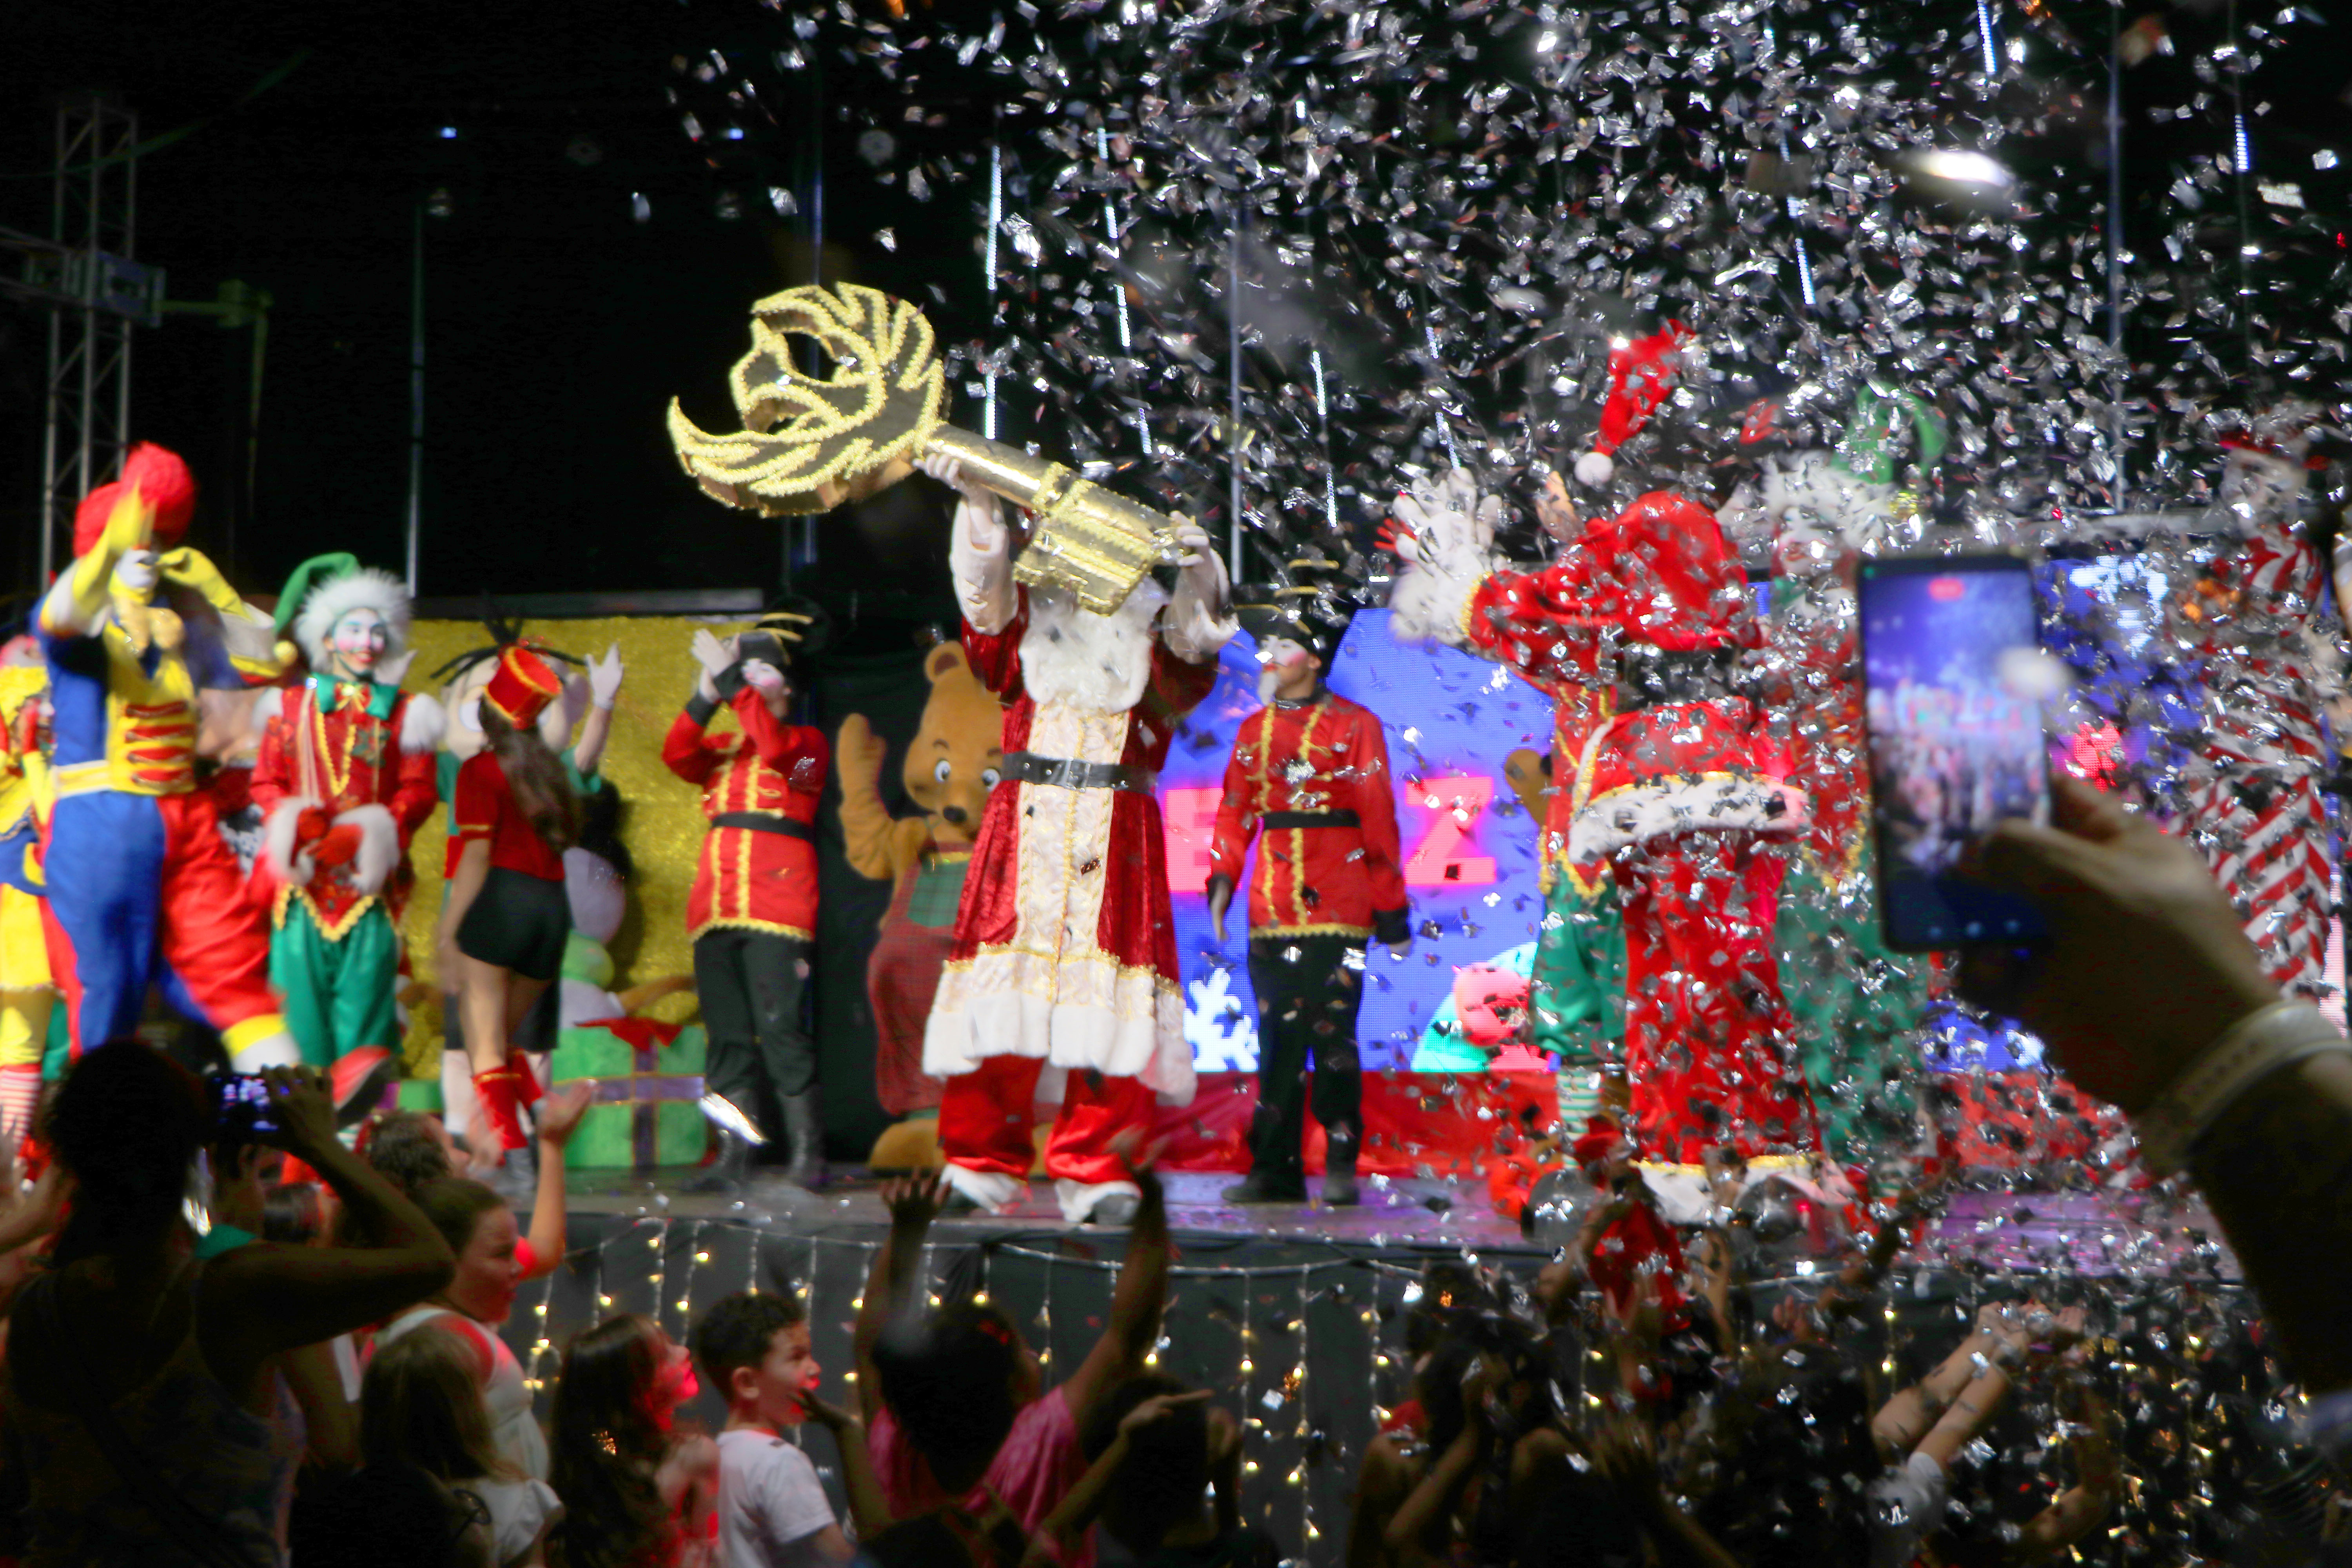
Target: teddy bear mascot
[752, 916]
[2255, 805]
[956, 758]
[1065, 956]
[1310, 770]
[142, 887]
[344, 779]
[1673, 793]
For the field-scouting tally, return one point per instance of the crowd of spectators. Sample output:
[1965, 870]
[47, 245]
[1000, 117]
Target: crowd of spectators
[307, 1365]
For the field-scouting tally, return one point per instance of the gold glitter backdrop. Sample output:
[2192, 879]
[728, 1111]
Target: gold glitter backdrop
[661, 817]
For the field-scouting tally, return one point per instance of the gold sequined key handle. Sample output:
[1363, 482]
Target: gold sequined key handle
[809, 443]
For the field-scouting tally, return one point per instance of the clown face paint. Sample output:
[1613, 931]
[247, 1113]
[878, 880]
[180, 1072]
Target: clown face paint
[356, 645]
[1289, 670]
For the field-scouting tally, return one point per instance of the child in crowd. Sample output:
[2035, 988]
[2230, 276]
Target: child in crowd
[421, 1405]
[753, 1347]
[959, 1416]
[1158, 1451]
[635, 1493]
[492, 1264]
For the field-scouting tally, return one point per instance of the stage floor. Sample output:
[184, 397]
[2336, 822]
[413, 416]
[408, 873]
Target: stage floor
[2094, 1233]
[1395, 1211]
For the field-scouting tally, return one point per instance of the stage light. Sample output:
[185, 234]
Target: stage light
[448, 133]
[1960, 176]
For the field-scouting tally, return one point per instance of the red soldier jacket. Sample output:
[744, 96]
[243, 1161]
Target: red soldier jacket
[1316, 778]
[760, 789]
[350, 745]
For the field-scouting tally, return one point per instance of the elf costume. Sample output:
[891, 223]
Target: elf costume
[141, 887]
[344, 780]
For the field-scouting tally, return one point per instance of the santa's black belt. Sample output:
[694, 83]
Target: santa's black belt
[1068, 773]
[761, 822]
[1272, 819]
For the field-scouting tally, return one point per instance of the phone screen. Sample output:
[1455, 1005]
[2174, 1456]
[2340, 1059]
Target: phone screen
[1949, 647]
[241, 1105]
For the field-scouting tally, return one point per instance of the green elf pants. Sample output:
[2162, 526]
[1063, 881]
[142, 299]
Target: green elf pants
[1858, 1009]
[338, 993]
[1576, 991]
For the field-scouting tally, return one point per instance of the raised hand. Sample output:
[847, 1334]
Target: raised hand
[977, 504]
[914, 1201]
[304, 1110]
[715, 656]
[1452, 526]
[605, 678]
[560, 1111]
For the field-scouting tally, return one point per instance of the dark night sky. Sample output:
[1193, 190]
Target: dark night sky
[557, 325]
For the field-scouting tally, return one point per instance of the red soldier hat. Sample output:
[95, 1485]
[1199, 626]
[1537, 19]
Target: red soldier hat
[523, 686]
[162, 481]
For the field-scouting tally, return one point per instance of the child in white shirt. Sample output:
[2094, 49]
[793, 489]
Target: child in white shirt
[754, 1347]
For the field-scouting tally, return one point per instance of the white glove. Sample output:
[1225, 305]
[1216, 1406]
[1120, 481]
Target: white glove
[714, 657]
[1452, 525]
[394, 670]
[604, 679]
[978, 508]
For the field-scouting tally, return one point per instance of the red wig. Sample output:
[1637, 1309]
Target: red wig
[162, 481]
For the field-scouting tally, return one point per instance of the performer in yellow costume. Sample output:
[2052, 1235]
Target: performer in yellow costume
[27, 992]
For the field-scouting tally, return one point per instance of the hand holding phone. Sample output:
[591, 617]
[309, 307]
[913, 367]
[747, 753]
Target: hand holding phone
[1950, 647]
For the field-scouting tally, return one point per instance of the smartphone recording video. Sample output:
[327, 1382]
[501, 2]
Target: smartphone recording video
[241, 1107]
[1950, 655]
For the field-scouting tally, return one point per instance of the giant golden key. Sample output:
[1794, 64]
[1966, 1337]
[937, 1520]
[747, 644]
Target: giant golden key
[811, 442]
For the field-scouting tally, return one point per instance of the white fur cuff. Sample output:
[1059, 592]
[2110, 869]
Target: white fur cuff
[278, 841]
[1700, 802]
[379, 846]
[423, 722]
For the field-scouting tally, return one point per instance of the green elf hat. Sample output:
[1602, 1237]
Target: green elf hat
[1868, 450]
[315, 573]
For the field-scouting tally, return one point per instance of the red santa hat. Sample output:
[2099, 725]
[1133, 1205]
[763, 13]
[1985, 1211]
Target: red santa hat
[522, 686]
[1601, 1139]
[1642, 371]
[162, 481]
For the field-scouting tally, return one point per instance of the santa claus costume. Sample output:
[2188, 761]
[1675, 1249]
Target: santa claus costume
[2255, 809]
[1678, 794]
[344, 779]
[1064, 965]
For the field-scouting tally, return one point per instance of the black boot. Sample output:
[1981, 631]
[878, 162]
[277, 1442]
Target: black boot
[727, 1173]
[1259, 1188]
[1339, 1171]
[805, 1131]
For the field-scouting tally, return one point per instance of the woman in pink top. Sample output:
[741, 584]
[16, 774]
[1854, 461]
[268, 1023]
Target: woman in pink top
[955, 1404]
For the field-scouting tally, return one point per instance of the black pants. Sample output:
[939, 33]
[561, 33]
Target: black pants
[751, 983]
[1306, 1013]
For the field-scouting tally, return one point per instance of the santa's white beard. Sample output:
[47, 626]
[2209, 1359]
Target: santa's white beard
[1095, 662]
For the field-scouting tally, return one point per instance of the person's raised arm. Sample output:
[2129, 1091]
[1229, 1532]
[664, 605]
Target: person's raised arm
[78, 605]
[913, 1202]
[265, 1299]
[869, 1510]
[1138, 1300]
[1623, 1455]
[1422, 1517]
[2146, 969]
[1084, 1503]
[604, 690]
[558, 1118]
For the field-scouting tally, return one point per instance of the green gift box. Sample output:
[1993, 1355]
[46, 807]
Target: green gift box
[649, 1077]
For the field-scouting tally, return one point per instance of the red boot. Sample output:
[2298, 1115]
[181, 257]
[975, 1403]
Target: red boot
[499, 1092]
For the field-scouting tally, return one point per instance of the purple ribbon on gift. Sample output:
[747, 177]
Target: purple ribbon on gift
[644, 1092]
